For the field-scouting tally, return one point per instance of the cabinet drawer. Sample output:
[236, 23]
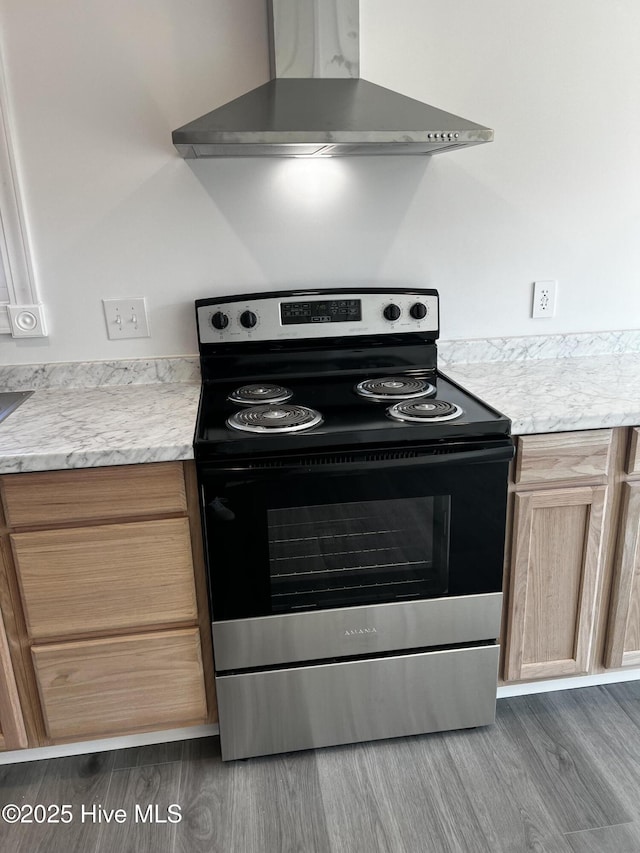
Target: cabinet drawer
[633, 462]
[105, 578]
[562, 456]
[89, 494]
[110, 686]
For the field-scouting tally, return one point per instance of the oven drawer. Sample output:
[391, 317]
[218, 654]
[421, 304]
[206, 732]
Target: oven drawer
[305, 707]
[350, 631]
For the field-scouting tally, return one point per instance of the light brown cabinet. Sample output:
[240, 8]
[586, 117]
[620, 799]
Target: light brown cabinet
[623, 637]
[94, 688]
[633, 460]
[559, 500]
[93, 494]
[105, 577]
[105, 580]
[562, 456]
[556, 564]
[13, 734]
[573, 567]
[12, 731]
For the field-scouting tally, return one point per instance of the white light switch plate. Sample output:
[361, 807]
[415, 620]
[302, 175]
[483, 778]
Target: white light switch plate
[126, 318]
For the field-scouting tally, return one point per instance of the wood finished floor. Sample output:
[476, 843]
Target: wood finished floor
[557, 773]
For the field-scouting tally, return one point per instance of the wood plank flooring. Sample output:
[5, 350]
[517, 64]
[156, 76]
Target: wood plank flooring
[557, 773]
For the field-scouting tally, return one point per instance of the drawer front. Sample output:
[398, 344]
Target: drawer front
[90, 494]
[562, 456]
[105, 578]
[633, 461]
[97, 688]
[305, 707]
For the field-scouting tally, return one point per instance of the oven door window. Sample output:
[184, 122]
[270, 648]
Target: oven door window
[361, 552]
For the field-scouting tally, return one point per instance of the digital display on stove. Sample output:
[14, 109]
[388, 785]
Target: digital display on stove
[326, 311]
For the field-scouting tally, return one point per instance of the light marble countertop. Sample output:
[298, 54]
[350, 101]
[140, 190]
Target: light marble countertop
[120, 424]
[109, 425]
[558, 394]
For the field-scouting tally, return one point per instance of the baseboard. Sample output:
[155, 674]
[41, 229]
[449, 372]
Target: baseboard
[104, 744]
[525, 688]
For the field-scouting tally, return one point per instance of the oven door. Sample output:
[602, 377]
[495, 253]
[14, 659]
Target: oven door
[364, 527]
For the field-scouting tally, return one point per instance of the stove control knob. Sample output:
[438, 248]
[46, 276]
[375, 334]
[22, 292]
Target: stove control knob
[418, 311]
[248, 319]
[219, 320]
[391, 312]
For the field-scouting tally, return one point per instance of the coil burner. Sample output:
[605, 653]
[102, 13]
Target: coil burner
[390, 387]
[423, 411]
[260, 393]
[275, 419]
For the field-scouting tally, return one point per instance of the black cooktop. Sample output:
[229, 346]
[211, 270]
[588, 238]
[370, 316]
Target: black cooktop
[318, 346]
[348, 420]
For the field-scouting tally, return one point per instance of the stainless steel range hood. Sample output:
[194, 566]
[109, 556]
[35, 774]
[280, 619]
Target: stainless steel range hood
[317, 105]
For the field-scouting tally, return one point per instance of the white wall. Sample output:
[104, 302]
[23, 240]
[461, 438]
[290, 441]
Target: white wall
[96, 89]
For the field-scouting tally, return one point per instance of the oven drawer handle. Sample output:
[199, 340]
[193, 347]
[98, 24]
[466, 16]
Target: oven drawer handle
[465, 457]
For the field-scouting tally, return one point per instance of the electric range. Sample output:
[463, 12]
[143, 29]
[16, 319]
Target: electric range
[353, 503]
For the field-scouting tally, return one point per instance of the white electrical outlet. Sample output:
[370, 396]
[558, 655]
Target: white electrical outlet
[544, 299]
[126, 318]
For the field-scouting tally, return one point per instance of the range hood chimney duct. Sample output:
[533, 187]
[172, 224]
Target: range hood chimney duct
[316, 104]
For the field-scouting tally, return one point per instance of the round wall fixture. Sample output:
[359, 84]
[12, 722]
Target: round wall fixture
[27, 321]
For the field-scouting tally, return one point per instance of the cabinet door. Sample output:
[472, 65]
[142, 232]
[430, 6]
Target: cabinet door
[555, 567]
[97, 688]
[12, 731]
[623, 637]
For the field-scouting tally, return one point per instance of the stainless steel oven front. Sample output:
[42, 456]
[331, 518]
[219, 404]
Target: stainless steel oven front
[355, 595]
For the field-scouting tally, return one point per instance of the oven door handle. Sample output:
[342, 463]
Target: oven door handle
[301, 466]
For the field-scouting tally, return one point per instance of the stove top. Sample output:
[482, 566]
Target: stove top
[340, 416]
[294, 372]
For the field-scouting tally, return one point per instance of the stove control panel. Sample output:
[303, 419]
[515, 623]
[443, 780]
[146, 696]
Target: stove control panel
[303, 315]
